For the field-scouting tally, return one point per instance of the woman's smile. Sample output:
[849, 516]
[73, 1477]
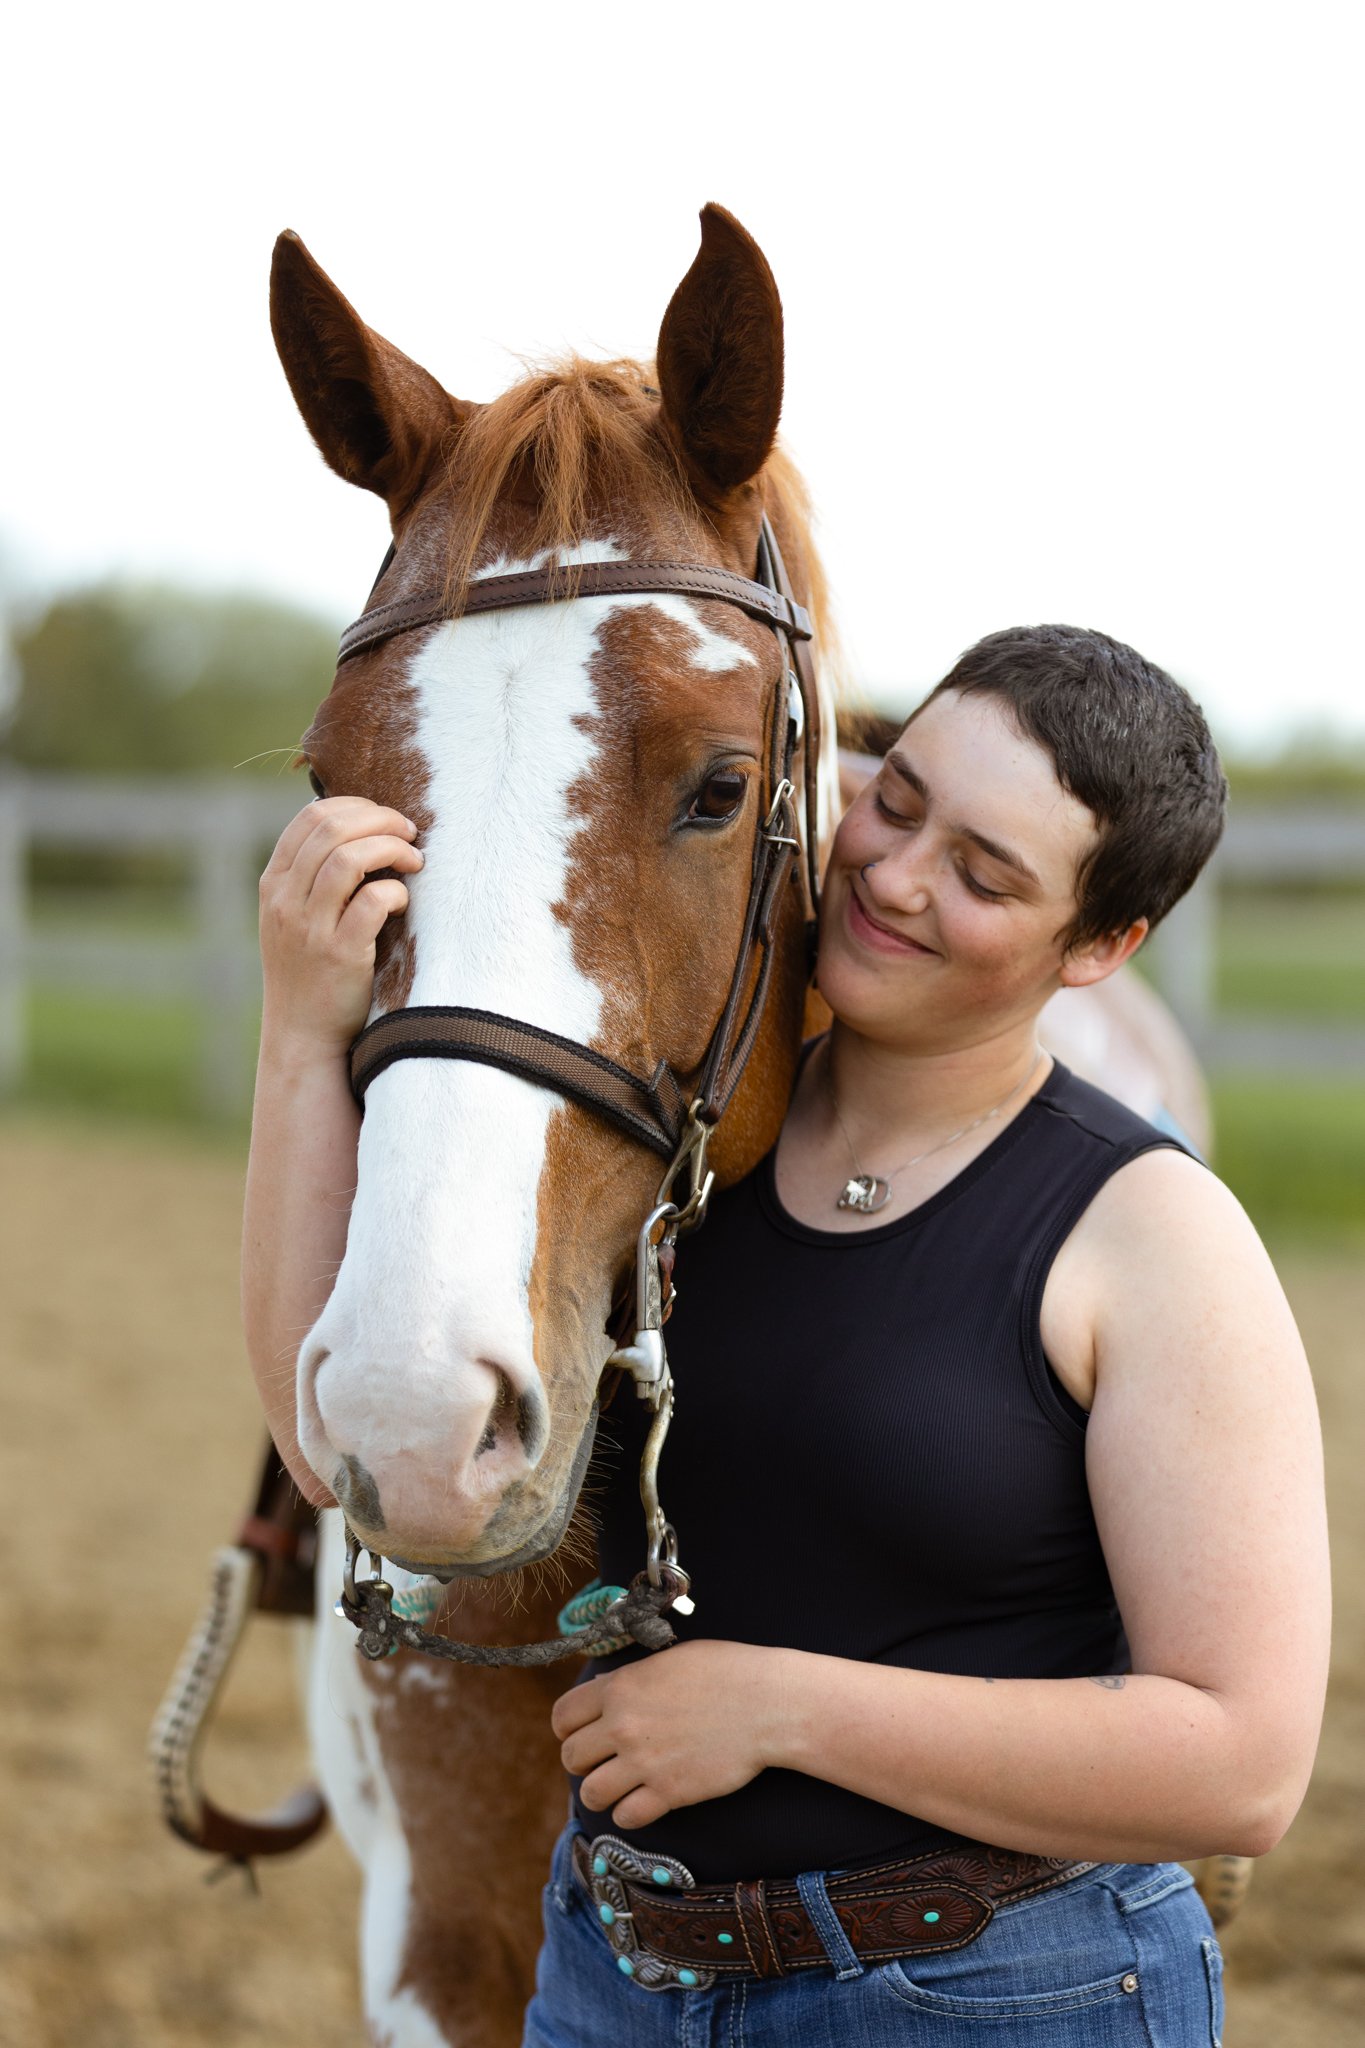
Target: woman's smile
[868, 931]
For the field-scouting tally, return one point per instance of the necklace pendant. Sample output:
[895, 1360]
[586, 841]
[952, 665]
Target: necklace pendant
[866, 1192]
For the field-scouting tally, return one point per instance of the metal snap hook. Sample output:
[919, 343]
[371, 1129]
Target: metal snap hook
[782, 809]
[691, 1153]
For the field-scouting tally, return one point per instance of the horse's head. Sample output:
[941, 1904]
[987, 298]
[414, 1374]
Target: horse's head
[588, 778]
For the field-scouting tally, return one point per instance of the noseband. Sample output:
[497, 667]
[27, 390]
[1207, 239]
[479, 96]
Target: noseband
[671, 1113]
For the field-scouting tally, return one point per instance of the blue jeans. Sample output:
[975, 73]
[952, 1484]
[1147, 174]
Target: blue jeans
[1123, 1957]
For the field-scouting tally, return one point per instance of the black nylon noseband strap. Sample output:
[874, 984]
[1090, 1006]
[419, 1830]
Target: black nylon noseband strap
[653, 1111]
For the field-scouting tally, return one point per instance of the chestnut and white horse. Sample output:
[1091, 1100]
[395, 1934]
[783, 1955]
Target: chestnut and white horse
[586, 778]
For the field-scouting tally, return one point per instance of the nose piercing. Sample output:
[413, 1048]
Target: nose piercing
[866, 865]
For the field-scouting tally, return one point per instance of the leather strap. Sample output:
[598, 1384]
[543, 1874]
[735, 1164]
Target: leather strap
[760, 1943]
[652, 1111]
[288, 1826]
[733, 1041]
[773, 606]
[939, 1900]
[282, 1530]
[771, 565]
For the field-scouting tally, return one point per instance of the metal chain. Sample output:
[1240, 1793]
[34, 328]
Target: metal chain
[870, 1181]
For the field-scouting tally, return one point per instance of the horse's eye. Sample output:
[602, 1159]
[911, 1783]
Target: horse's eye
[314, 783]
[719, 797]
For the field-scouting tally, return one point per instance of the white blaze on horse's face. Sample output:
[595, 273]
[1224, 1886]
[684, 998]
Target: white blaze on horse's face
[420, 1398]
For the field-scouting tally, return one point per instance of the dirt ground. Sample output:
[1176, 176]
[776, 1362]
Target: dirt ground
[130, 1440]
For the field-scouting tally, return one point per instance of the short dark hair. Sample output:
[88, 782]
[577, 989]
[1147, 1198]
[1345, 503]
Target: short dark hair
[1129, 743]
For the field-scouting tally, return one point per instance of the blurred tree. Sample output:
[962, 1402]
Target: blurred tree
[150, 680]
[1312, 762]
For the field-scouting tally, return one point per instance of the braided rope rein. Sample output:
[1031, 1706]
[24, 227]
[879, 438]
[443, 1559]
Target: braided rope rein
[637, 1615]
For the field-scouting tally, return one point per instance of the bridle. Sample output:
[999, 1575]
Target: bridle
[672, 1113]
[652, 1108]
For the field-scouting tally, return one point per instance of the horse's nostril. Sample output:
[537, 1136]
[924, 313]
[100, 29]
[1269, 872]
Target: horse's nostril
[530, 1425]
[354, 1487]
[524, 1413]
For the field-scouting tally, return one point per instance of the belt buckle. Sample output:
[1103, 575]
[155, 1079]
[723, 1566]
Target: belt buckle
[610, 1863]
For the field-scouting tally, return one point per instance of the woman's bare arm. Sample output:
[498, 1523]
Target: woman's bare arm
[320, 919]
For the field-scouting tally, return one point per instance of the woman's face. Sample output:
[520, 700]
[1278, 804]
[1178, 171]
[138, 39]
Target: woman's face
[952, 876]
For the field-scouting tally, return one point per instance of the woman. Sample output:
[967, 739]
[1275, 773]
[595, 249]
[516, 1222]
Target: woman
[974, 1365]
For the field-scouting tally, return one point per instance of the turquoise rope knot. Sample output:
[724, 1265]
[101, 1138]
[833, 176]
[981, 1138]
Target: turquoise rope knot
[418, 1604]
[589, 1606]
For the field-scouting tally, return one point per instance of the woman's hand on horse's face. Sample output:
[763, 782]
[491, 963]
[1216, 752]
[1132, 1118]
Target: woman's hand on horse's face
[693, 1722]
[320, 918]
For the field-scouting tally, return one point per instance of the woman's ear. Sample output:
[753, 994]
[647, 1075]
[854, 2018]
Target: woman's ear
[1097, 959]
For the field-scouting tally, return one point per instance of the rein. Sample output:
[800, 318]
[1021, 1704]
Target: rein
[671, 1113]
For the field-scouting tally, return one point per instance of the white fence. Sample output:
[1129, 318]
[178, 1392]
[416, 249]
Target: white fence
[225, 828]
[1264, 844]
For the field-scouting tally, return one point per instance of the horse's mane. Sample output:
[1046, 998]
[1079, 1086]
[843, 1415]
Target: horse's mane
[583, 428]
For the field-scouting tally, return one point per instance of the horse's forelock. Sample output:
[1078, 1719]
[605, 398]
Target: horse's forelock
[570, 436]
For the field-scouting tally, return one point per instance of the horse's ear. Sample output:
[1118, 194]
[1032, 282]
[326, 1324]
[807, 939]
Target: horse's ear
[720, 358]
[379, 418]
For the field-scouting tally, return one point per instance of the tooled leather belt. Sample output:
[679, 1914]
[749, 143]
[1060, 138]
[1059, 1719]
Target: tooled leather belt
[667, 1933]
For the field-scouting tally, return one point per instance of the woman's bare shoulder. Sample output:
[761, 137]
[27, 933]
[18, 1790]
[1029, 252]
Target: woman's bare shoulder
[1163, 1261]
[1166, 1205]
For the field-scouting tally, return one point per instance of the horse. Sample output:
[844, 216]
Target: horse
[588, 779]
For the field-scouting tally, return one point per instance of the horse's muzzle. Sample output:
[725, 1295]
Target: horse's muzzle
[546, 1539]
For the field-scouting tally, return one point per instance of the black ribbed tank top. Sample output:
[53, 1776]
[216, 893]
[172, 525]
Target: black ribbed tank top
[871, 1458]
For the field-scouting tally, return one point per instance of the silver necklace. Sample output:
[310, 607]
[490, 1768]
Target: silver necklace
[870, 1192]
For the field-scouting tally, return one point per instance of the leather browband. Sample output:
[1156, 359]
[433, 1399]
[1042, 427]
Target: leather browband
[589, 579]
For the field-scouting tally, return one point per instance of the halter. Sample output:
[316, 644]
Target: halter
[671, 1113]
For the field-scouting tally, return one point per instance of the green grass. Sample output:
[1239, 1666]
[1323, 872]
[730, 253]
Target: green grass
[1292, 953]
[111, 1056]
[1293, 1152]
[113, 913]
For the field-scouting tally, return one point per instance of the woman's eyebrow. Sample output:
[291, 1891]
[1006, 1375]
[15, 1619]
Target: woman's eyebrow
[898, 764]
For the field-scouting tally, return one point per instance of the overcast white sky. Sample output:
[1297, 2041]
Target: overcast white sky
[1072, 292]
